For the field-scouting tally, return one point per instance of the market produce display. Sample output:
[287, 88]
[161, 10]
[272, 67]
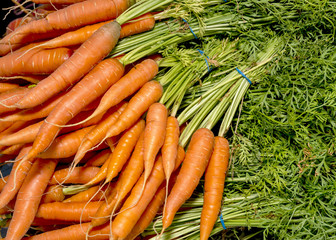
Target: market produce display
[168, 119]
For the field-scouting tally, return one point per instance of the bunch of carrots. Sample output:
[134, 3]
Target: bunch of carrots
[73, 115]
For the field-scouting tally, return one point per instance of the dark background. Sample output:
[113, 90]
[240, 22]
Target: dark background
[13, 15]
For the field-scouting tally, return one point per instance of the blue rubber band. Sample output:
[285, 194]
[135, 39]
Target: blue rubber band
[189, 28]
[244, 76]
[206, 61]
[222, 220]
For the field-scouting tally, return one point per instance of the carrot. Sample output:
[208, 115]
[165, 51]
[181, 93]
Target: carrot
[155, 131]
[73, 232]
[124, 149]
[120, 155]
[169, 149]
[214, 186]
[29, 133]
[128, 177]
[9, 208]
[101, 175]
[70, 211]
[17, 22]
[37, 112]
[140, 24]
[37, 62]
[94, 84]
[139, 103]
[53, 193]
[80, 175]
[8, 98]
[56, 1]
[16, 126]
[134, 207]
[81, 61]
[7, 86]
[73, 16]
[94, 193]
[3, 182]
[65, 145]
[15, 178]
[12, 150]
[29, 197]
[127, 85]
[5, 125]
[148, 215]
[98, 159]
[196, 160]
[170, 146]
[152, 209]
[96, 135]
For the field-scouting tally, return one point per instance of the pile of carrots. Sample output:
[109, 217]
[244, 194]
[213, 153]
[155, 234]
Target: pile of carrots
[89, 120]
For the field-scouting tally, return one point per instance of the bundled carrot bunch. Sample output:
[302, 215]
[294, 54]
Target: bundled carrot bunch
[91, 121]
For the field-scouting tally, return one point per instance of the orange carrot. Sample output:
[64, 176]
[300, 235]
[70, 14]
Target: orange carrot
[94, 193]
[170, 146]
[124, 149]
[196, 160]
[127, 85]
[36, 62]
[37, 112]
[140, 24]
[134, 207]
[169, 149]
[29, 133]
[120, 155]
[53, 193]
[70, 211]
[16, 126]
[56, 1]
[7, 86]
[29, 197]
[99, 159]
[214, 186]
[17, 22]
[8, 98]
[155, 132]
[73, 16]
[152, 209]
[15, 178]
[65, 145]
[74, 232]
[97, 134]
[139, 103]
[128, 177]
[12, 150]
[80, 175]
[3, 182]
[94, 84]
[80, 63]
